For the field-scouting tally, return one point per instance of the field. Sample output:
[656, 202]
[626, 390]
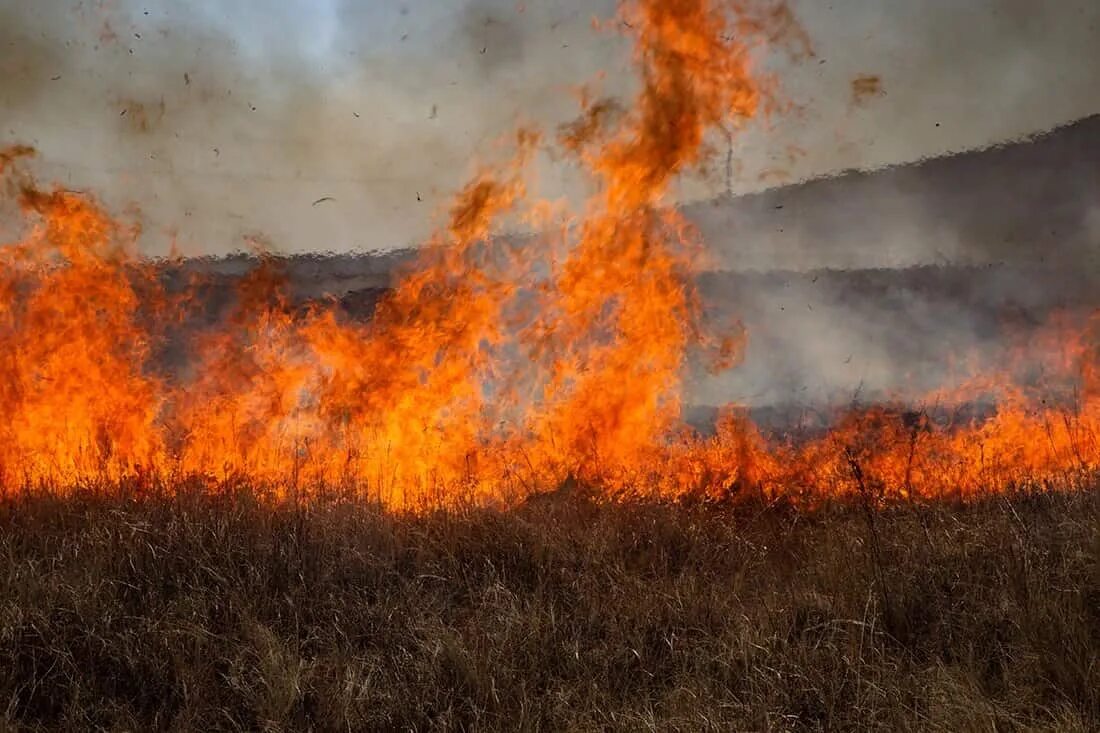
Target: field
[221, 612]
[891, 523]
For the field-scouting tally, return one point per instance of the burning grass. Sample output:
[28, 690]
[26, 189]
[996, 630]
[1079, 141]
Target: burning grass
[480, 373]
[491, 371]
[220, 612]
[442, 397]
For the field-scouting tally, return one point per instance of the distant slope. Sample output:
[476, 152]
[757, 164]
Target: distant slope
[1030, 201]
[1026, 201]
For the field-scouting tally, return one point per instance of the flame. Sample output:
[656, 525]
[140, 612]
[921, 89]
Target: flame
[75, 399]
[492, 370]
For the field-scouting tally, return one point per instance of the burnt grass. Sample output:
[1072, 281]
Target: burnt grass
[221, 612]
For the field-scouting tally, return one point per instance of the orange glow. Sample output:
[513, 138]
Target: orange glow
[491, 370]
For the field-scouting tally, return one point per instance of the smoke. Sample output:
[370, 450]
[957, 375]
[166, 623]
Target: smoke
[826, 337]
[219, 120]
[486, 27]
[951, 77]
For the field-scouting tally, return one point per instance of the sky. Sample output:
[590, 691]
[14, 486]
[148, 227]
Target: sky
[220, 121]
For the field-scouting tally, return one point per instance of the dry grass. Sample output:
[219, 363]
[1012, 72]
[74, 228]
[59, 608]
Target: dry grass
[201, 613]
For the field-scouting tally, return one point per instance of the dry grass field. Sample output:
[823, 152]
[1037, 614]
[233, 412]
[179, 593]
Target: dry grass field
[223, 612]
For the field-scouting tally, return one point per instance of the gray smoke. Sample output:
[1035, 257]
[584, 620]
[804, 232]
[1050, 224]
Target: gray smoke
[219, 119]
[223, 119]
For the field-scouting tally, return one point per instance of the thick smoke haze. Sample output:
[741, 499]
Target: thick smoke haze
[220, 120]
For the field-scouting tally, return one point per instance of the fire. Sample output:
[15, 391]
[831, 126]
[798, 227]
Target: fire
[74, 398]
[491, 371]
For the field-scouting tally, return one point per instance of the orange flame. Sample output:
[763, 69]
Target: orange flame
[491, 370]
[74, 397]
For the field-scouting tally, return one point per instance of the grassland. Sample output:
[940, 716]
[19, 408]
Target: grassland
[211, 612]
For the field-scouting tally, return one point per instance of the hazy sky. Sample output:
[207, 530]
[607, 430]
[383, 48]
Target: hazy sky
[218, 119]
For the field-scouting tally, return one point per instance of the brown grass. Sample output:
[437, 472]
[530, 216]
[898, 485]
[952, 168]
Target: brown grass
[203, 613]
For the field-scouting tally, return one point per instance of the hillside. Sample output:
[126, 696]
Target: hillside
[1033, 200]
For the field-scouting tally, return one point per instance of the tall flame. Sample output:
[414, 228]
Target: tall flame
[492, 369]
[75, 399]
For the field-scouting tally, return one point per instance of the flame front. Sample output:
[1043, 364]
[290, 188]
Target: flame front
[492, 370]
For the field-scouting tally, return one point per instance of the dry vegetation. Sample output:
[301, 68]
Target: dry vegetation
[221, 612]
